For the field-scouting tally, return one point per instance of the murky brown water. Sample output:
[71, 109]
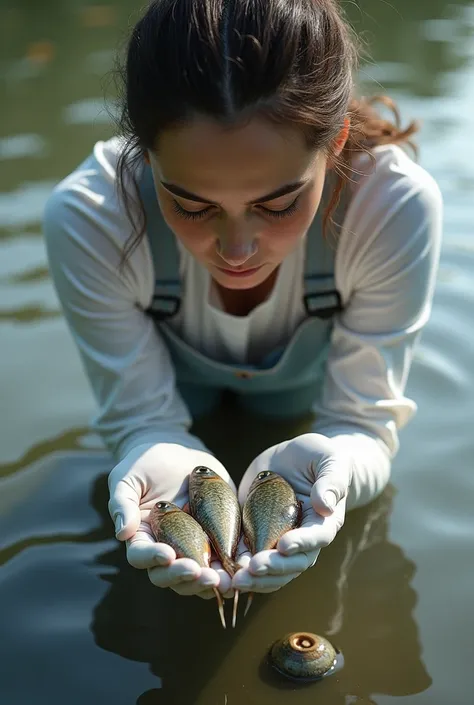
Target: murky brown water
[395, 589]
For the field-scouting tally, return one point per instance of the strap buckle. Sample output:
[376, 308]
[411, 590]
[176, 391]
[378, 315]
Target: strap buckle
[323, 304]
[164, 306]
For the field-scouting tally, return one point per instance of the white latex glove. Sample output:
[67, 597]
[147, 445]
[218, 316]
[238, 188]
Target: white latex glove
[148, 474]
[320, 476]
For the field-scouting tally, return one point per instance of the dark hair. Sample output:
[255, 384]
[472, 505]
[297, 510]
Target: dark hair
[290, 62]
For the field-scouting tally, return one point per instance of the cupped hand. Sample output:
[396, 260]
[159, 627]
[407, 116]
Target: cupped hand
[152, 473]
[320, 476]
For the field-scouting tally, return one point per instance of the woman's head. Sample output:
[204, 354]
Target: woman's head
[238, 199]
[231, 101]
[231, 60]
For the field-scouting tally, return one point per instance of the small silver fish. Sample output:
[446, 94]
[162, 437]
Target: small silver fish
[270, 510]
[173, 526]
[214, 504]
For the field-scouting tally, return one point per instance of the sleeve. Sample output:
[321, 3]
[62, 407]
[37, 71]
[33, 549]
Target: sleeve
[388, 262]
[126, 360]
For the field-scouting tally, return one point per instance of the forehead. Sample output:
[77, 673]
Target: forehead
[204, 157]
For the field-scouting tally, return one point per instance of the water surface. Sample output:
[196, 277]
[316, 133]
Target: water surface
[394, 590]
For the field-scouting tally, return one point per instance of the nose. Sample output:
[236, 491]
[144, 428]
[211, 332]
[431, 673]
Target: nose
[236, 245]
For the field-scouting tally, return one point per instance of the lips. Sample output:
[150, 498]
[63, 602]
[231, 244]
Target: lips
[240, 272]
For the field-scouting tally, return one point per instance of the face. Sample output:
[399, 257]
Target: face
[239, 200]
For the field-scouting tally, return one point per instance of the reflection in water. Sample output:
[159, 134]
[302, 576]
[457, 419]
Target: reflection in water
[67, 546]
[368, 615]
[375, 630]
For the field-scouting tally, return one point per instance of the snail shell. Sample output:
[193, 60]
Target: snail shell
[304, 656]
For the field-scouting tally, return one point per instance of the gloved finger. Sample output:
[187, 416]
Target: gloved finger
[225, 581]
[274, 563]
[229, 594]
[315, 533]
[144, 552]
[244, 559]
[124, 508]
[246, 582]
[332, 482]
[190, 589]
[181, 570]
[199, 587]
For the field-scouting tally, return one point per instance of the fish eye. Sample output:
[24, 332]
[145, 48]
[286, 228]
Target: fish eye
[262, 475]
[162, 505]
[202, 470]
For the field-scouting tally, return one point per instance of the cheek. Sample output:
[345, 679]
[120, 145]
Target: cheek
[284, 235]
[193, 235]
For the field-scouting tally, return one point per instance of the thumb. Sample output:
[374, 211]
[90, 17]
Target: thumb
[124, 510]
[331, 486]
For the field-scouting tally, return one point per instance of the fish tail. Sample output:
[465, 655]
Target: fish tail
[230, 566]
[249, 602]
[220, 606]
[234, 611]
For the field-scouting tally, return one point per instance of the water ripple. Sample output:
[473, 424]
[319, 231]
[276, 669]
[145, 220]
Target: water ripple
[18, 146]
[92, 111]
[37, 274]
[28, 314]
[25, 205]
[25, 281]
[21, 255]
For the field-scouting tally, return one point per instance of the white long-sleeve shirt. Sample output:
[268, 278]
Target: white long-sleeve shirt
[385, 271]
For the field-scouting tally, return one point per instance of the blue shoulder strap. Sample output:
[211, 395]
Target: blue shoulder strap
[321, 297]
[164, 251]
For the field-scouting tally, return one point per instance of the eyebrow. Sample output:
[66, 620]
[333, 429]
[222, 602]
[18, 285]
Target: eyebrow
[282, 191]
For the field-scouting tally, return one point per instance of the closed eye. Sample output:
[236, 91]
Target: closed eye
[283, 213]
[190, 215]
[272, 212]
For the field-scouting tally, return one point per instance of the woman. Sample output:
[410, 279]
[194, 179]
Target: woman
[254, 228]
